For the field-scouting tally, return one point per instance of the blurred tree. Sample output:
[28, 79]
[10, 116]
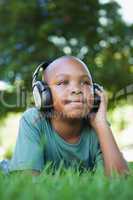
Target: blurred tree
[35, 30]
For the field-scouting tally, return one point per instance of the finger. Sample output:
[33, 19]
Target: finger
[102, 89]
[99, 92]
[103, 95]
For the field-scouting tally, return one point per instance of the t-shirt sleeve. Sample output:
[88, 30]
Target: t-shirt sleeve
[97, 153]
[99, 164]
[29, 150]
[97, 156]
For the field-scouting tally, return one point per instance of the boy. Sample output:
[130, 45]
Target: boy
[64, 136]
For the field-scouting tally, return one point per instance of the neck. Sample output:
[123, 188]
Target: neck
[68, 129]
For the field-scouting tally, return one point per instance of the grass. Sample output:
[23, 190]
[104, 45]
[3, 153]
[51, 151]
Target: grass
[66, 185]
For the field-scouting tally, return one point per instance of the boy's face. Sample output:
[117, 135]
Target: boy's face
[71, 86]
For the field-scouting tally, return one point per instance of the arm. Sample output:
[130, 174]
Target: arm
[27, 172]
[29, 149]
[35, 173]
[113, 159]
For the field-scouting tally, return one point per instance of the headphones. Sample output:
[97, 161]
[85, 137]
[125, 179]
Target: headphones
[42, 93]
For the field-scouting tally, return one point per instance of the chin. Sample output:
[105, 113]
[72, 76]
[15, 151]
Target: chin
[75, 111]
[75, 115]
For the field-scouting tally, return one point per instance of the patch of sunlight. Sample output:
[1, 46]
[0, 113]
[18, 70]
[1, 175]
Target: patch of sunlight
[8, 133]
[128, 154]
[121, 119]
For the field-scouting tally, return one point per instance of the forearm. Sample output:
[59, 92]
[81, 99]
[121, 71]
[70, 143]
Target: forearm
[26, 172]
[113, 159]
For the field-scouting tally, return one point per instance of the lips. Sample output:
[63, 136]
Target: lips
[74, 101]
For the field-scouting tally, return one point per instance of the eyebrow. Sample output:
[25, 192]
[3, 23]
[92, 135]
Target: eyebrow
[81, 76]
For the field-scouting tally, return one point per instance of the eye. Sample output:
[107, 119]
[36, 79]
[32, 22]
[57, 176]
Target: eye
[85, 82]
[64, 82]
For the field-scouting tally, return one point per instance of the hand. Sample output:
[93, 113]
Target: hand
[95, 119]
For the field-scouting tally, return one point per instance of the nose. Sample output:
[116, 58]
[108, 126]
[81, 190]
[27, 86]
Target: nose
[76, 89]
[76, 92]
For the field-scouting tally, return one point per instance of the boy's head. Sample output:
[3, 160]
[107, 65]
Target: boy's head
[71, 86]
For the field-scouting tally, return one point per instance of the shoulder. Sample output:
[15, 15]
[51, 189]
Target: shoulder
[91, 135]
[31, 112]
[33, 124]
[33, 115]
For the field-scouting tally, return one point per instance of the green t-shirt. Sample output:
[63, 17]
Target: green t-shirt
[38, 143]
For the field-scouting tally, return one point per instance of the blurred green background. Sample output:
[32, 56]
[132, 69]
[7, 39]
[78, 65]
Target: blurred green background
[33, 31]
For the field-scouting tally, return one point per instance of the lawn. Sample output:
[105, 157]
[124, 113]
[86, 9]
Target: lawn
[66, 185]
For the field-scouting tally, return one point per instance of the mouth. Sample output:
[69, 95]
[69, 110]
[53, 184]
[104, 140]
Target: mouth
[74, 101]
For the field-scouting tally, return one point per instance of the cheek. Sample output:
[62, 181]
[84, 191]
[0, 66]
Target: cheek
[89, 95]
[57, 96]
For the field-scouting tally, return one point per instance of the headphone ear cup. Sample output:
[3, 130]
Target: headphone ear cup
[97, 99]
[46, 96]
[37, 95]
[42, 96]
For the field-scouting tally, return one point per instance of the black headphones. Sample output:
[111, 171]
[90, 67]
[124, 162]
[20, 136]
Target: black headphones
[42, 93]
